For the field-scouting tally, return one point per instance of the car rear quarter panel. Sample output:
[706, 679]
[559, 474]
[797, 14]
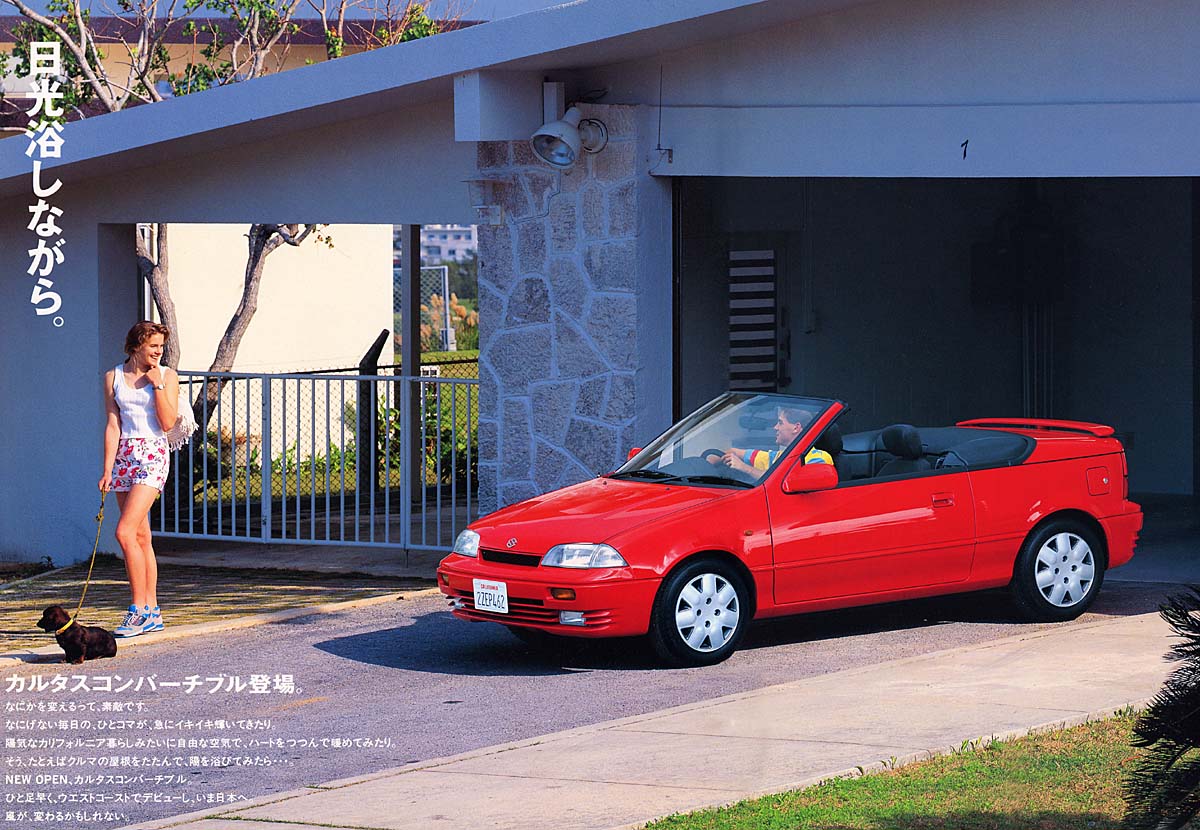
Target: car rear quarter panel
[1011, 501]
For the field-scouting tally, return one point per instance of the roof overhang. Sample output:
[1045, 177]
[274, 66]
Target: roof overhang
[577, 35]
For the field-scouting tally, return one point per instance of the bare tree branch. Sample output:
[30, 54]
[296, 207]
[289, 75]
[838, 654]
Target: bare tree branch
[287, 233]
[261, 240]
[156, 270]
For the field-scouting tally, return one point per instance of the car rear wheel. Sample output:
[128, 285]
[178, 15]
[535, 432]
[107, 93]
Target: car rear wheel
[700, 614]
[1059, 571]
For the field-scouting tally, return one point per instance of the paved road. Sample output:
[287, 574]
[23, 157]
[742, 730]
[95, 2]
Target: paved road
[411, 677]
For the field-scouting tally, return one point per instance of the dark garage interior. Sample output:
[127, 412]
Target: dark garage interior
[929, 301]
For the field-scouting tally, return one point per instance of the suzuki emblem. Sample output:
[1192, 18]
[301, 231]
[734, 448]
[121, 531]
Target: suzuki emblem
[512, 543]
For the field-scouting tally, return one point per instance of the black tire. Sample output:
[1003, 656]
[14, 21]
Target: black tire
[1049, 579]
[681, 591]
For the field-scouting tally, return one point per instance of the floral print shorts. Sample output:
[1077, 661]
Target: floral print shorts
[140, 461]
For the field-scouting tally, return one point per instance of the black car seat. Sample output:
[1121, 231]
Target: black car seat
[856, 460]
[831, 442]
[904, 442]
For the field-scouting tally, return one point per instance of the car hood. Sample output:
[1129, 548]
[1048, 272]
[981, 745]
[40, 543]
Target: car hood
[592, 511]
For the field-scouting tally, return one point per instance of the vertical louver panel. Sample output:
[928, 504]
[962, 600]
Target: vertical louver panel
[752, 346]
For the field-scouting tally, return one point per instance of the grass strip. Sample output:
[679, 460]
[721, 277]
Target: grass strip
[1054, 781]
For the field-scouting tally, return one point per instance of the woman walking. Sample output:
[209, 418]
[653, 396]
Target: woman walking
[140, 396]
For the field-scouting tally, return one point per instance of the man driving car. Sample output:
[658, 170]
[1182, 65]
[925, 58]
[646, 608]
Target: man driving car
[789, 424]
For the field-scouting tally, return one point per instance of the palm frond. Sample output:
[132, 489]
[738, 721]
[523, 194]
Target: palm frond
[1162, 791]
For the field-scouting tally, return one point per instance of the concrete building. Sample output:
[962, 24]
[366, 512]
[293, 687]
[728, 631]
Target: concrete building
[950, 211]
[442, 242]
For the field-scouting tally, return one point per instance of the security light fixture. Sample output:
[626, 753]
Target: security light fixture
[558, 142]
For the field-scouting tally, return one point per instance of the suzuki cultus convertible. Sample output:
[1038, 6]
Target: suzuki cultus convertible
[757, 506]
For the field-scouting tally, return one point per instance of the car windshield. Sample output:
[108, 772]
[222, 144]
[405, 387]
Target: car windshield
[734, 440]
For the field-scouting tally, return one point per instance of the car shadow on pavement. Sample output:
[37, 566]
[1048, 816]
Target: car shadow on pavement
[436, 642]
[1116, 599]
[982, 607]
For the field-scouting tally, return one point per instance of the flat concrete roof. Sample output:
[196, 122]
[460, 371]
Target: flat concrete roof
[580, 34]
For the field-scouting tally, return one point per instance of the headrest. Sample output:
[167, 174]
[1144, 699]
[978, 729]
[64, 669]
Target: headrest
[830, 440]
[903, 441]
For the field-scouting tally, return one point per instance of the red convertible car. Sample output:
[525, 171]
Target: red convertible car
[756, 506]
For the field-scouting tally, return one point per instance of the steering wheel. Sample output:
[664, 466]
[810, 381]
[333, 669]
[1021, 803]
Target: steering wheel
[711, 451]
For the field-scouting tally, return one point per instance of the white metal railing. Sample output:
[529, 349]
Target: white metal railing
[325, 458]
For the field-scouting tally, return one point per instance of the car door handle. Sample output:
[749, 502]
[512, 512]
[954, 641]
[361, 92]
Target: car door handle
[943, 499]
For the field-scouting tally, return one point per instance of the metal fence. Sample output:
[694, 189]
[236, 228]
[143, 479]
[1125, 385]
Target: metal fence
[325, 458]
[466, 367]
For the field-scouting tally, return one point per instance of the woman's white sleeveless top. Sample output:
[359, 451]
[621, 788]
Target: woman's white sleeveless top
[139, 416]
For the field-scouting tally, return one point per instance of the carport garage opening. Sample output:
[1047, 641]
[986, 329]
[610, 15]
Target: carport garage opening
[928, 301]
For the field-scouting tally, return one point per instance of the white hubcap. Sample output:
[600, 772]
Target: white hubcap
[707, 612]
[1064, 569]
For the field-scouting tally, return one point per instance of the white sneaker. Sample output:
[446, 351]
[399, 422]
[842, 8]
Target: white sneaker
[135, 623]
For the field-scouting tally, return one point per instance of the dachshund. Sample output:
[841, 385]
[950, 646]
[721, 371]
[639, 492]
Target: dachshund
[79, 642]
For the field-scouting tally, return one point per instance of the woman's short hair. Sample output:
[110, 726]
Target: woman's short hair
[143, 331]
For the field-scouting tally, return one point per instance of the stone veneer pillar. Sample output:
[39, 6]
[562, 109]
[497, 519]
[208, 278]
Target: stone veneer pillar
[557, 315]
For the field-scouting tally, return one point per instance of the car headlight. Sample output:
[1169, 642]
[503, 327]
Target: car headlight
[583, 555]
[467, 543]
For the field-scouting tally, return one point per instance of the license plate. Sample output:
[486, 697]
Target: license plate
[491, 595]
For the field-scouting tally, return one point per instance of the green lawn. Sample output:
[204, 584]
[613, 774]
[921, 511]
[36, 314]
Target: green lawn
[1055, 781]
[460, 370]
[305, 483]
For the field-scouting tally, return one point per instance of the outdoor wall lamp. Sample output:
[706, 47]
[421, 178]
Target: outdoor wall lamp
[558, 142]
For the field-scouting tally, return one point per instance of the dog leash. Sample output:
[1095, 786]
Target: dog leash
[86, 582]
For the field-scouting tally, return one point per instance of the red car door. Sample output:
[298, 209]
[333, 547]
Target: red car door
[869, 538]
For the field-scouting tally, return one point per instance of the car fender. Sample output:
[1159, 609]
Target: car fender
[737, 527]
[1086, 519]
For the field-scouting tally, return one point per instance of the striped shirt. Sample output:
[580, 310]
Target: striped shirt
[139, 415]
[762, 459]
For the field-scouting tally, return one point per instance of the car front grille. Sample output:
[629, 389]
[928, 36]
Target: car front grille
[529, 560]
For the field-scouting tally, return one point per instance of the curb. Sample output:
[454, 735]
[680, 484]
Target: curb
[47, 654]
[368, 571]
[4, 586]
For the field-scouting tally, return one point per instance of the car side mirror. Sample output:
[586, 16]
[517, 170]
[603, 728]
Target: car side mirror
[634, 451]
[809, 478]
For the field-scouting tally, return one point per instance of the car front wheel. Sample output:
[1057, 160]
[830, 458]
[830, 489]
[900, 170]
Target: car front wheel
[700, 614]
[1059, 572]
